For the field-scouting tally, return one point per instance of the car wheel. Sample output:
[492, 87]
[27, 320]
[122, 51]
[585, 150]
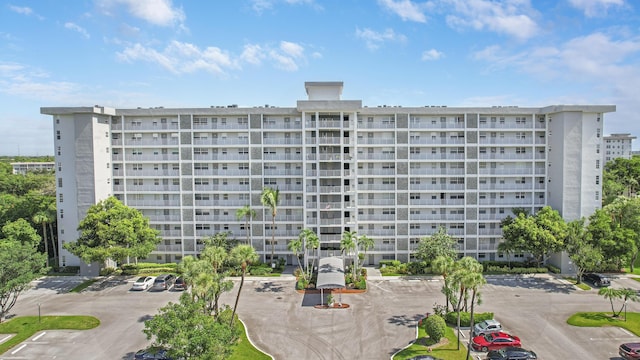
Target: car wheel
[484, 349]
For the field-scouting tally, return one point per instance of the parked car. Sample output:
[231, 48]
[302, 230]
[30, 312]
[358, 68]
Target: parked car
[597, 279]
[180, 284]
[630, 351]
[511, 353]
[152, 353]
[494, 341]
[143, 283]
[486, 327]
[164, 282]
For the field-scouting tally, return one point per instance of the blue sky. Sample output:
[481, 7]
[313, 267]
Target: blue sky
[130, 53]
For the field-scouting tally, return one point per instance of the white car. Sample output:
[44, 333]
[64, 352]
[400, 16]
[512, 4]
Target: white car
[486, 327]
[143, 283]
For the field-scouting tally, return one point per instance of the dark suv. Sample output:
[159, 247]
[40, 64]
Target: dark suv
[597, 279]
[164, 282]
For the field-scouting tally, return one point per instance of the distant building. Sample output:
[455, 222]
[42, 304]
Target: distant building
[395, 174]
[618, 146]
[25, 167]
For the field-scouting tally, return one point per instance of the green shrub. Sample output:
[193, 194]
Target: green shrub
[362, 284]
[109, 271]
[260, 271]
[465, 318]
[302, 284]
[385, 263]
[553, 269]
[435, 327]
[148, 268]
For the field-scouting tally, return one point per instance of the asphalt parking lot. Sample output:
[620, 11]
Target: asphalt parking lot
[285, 324]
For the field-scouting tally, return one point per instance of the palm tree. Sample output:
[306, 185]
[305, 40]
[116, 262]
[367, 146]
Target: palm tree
[463, 277]
[611, 294]
[311, 242]
[52, 214]
[243, 255]
[295, 246]
[474, 281]
[41, 217]
[443, 266]
[349, 244]
[365, 243]
[247, 213]
[271, 198]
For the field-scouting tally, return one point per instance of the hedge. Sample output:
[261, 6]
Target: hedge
[465, 318]
[148, 268]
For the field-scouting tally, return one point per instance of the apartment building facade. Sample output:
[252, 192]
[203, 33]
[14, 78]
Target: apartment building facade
[395, 174]
[618, 146]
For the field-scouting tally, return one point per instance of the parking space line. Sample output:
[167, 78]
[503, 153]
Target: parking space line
[5, 338]
[39, 336]
[18, 349]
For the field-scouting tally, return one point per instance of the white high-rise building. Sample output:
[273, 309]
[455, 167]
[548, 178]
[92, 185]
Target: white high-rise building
[395, 174]
[618, 146]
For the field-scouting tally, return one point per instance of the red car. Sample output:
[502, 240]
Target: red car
[630, 351]
[494, 341]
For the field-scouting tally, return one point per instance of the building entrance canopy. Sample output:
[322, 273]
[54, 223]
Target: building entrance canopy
[330, 273]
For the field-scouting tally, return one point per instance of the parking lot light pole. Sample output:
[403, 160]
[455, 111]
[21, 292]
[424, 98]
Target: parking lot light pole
[38, 312]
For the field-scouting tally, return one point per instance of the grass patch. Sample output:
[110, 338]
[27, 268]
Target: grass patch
[582, 285]
[599, 319]
[636, 279]
[25, 326]
[446, 352]
[83, 286]
[244, 349]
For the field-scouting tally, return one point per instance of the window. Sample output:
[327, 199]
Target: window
[597, 179]
[59, 151]
[137, 167]
[61, 198]
[138, 182]
[60, 182]
[597, 164]
[61, 213]
[58, 134]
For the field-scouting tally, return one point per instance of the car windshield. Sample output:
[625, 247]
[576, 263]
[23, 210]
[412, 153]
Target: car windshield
[142, 279]
[488, 337]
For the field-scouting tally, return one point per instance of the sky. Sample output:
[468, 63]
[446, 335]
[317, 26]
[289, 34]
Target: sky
[147, 53]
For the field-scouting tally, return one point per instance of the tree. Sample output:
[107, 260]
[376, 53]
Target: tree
[625, 214]
[189, 333]
[538, 234]
[584, 255]
[208, 281]
[621, 178]
[615, 242]
[244, 255]
[310, 242]
[43, 218]
[271, 199]
[365, 244]
[349, 246]
[465, 277]
[474, 281]
[438, 244]
[111, 230]
[247, 213]
[295, 246]
[20, 262]
[443, 265]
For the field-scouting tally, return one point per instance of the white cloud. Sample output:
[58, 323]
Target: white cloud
[24, 10]
[253, 54]
[287, 56]
[23, 81]
[431, 54]
[593, 8]
[374, 39]
[179, 57]
[157, 12]
[510, 17]
[406, 9]
[77, 28]
[260, 6]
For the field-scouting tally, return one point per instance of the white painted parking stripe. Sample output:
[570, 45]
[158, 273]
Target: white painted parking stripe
[5, 338]
[39, 336]
[18, 349]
